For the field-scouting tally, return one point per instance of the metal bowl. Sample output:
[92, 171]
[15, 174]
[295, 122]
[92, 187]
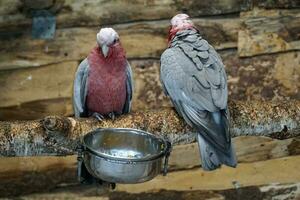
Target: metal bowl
[122, 155]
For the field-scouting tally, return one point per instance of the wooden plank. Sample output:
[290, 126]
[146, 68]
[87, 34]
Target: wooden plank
[272, 77]
[148, 92]
[278, 4]
[287, 171]
[36, 84]
[264, 77]
[38, 109]
[269, 31]
[269, 191]
[140, 40]
[47, 172]
[34, 174]
[100, 12]
[248, 149]
[9, 7]
[244, 175]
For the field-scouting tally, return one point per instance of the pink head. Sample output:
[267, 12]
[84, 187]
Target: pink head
[179, 22]
[107, 38]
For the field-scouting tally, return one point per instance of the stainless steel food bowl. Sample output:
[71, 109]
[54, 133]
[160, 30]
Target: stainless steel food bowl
[122, 155]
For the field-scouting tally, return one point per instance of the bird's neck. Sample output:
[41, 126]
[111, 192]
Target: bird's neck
[115, 60]
[173, 30]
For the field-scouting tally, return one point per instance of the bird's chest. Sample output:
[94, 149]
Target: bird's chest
[106, 91]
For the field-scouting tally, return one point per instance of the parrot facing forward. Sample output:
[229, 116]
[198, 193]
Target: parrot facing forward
[193, 76]
[103, 86]
[103, 81]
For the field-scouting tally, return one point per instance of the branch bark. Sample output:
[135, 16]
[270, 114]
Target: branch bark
[56, 135]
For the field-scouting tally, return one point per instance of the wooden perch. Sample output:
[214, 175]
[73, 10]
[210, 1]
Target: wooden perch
[56, 135]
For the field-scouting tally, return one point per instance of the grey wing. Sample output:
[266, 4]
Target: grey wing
[129, 89]
[192, 90]
[80, 89]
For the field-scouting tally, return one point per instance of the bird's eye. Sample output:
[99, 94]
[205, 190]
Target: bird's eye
[116, 40]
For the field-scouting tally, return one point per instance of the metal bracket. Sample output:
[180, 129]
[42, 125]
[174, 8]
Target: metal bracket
[168, 152]
[79, 150]
[43, 24]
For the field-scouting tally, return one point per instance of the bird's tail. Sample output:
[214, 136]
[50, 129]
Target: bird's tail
[212, 158]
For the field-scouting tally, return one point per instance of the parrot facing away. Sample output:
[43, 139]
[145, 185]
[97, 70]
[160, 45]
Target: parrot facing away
[103, 82]
[193, 76]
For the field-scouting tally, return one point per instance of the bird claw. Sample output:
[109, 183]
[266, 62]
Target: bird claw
[107, 184]
[112, 116]
[98, 116]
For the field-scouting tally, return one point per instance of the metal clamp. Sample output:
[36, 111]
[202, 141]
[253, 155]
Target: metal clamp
[168, 152]
[79, 150]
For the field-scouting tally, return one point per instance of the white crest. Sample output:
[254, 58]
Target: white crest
[107, 36]
[181, 20]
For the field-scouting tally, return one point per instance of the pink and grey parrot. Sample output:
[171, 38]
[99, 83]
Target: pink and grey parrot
[193, 76]
[103, 85]
[103, 82]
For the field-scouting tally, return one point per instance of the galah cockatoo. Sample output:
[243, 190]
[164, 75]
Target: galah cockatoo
[193, 76]
[103, 82]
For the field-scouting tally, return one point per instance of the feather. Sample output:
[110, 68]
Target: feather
[80, 89]
[199, 95]
[129, 88]
[203, 54]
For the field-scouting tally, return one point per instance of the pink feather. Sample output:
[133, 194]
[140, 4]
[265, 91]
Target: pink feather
[107, 80]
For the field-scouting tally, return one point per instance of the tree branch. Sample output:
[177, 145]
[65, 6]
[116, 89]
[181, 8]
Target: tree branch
[56, 135]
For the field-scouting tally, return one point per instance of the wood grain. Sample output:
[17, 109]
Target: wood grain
[140, 40]
[45, 173]
[248, 149]
[55, 135]
[269, 31]
[72, 13]
[264, 77]
[33, 84]
[278, 4]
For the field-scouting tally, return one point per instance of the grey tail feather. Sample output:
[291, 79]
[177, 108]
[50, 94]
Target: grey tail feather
[212, 158]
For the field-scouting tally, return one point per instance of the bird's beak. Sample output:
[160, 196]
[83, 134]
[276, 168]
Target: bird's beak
[105, 50]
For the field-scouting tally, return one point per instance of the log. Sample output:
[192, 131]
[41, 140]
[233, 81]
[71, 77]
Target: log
[248, 181]
[38, 109]
[140, 40]
[266, 77]
[278, 4]
[13, 15]
[268, 191]
[269, 31]
[48, 173]
[248, 150]
[60, 135]
[35, 174]
[224, 178]
[263, 77]
[37, 84]
[286, 191]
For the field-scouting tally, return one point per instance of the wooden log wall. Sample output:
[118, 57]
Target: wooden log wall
[258, 41]
[259, 44]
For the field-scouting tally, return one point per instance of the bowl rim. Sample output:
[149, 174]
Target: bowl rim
[161, 154]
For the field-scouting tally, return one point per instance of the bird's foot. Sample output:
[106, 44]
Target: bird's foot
[104, 187]
[112, 115]
[98, 116]
[107, 184]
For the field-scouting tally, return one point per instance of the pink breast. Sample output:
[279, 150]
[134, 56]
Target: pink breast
[106, 83]
[106, 94]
